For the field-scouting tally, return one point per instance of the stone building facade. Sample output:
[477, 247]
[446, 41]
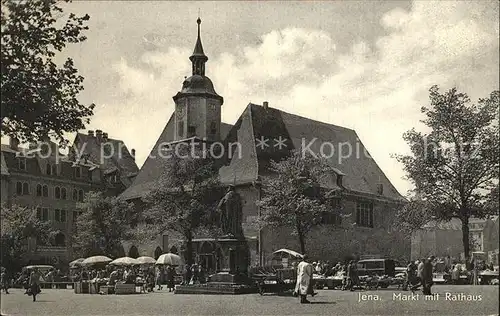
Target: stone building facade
[42, 178]
[444, 239]
[370, 200]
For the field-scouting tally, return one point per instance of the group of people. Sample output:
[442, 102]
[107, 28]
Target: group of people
[420, 273]
[148, 276]
[194, 274]
[305, 271]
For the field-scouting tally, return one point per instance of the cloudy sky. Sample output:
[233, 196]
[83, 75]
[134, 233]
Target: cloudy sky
[365, 65]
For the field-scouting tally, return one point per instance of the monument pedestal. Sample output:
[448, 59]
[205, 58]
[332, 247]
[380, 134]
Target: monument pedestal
[233, 279]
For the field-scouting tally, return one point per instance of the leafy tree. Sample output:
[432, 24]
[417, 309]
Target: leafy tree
[294, 197]
[455, 166]
[102, 225]
[19, 224]
[184, 198]
[39, 96]
[412, 216]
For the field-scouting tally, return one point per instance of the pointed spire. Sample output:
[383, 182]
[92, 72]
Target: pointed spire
[198, 58]
[198, 48]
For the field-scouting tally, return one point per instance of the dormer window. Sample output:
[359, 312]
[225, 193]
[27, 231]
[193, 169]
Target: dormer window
[21, 163]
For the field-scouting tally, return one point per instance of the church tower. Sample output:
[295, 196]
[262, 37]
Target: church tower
[197, 105]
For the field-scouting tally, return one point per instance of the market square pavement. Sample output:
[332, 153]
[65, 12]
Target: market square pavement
[328, 302]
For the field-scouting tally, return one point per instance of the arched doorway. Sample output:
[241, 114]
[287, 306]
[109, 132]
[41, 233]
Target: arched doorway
[120, 251]
[60, 240]
[206, 256]
[133, 252]
[158, 252]
[173, 249]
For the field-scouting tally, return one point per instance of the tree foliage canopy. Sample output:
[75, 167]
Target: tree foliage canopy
[185, 196]
[294, 196]
[102, 225]
[19, 224]
[455, 166]
[38, 96]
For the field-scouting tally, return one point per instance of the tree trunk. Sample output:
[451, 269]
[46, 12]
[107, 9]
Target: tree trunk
[189, 248]
[465, 239]
[302, 243]
[300, 233]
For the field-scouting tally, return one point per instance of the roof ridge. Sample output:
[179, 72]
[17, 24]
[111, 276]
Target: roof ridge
[377, 165]
[253, 140]
[112, 139]
[307, 118]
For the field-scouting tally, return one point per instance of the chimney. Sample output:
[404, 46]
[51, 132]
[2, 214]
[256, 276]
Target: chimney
[104, 137]
[98, 134]
[91, 133]
[265, 105]
[133, 153]
[13, 143]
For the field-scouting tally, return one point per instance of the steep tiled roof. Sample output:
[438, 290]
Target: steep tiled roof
[120, 159]
[361, 172]
[35, 165]
[152, 166]
[256, 123]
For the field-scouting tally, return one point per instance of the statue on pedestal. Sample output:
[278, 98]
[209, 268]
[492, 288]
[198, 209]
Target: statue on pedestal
[230, 209]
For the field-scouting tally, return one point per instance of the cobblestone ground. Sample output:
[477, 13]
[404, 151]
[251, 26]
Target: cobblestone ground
[328, 302]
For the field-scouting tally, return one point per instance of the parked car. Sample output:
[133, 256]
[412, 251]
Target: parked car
[378, 267]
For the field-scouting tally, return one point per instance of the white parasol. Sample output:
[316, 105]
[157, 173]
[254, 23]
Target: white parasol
[124, 261]
[290, 252]
[169, 258]
[146, 260]
[76, 263]
[95, 260]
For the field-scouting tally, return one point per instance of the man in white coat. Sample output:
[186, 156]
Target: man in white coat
[304, 277]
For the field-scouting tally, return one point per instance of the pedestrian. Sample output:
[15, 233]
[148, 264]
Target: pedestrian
[4, 282]
[427, 276]
[188, 274]
[304, 276]
[411, 275]
[455, 274]
[201, 275]
[34, 282]
[170, 278]
[194, 276]
[158, 277]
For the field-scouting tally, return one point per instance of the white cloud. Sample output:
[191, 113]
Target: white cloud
[375, 88]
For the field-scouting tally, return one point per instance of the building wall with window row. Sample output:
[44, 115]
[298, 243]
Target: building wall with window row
[52, 185]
